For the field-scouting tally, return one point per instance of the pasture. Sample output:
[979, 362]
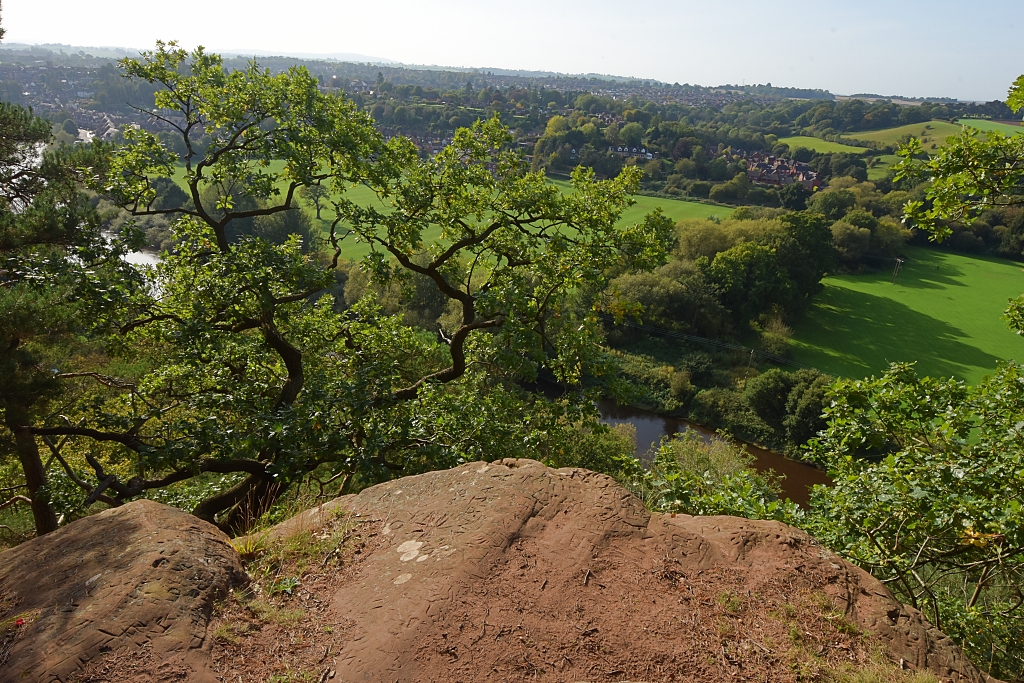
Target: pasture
[675, 209]
[944, 311]
[932, 134]
[882, 165]
[982, 124]
[821, 146]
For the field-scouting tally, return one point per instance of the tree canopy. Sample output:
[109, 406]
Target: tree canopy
[239, 372]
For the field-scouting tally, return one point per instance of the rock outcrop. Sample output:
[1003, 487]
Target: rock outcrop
[513, 566]
[142, 578]
[502, 571]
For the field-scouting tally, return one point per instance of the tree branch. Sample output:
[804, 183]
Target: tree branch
[16, 499]
[458, 366]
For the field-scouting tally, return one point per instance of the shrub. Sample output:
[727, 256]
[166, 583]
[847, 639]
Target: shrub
[720, 408]
[697, 476]
[790, 403]
[850, 241]
[929, 480]
[700, 189]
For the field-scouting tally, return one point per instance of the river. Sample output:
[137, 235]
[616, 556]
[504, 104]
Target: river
[136, 258]
[142, 258]
[650, 427]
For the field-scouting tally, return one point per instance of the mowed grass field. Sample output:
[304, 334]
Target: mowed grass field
[943, 312]
[676, 209]
[819, 145]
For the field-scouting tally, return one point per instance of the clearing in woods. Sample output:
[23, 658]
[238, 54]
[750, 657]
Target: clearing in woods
[944, 311]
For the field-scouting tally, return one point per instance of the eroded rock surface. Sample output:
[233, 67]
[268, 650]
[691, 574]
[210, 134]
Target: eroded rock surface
[142, 577]
[509, 571]
[516, 569]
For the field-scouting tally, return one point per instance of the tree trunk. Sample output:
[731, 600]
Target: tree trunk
[35, 474]
[245, 503]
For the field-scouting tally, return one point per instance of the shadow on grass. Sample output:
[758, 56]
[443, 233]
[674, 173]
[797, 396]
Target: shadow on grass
[922, 269]
[854, 334]
[930, 269]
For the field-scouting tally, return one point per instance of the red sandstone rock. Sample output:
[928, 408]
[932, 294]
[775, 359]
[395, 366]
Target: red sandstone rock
[504, 571]
[143, 576]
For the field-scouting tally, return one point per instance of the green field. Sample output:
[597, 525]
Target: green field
[675, 209]
[981, 124]
[881, 168]
[944, 312]
[932, 134]
[819, 145]
[929, 133]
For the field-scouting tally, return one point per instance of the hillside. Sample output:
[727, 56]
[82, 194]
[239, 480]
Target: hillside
[507, 571]
[943, 312]
[982, 124]
[929, 133]
[819, 145]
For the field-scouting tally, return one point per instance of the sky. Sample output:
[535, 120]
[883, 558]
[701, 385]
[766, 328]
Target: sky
[915, 48]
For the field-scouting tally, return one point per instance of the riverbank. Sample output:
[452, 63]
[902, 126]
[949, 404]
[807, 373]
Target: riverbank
[796, 478]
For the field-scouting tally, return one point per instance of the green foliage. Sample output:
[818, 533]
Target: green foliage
[751, 280]
[929, 480]
[240, 364]
[794, 197]
[1015, 98]
[975, 171]
[721, 409]
[694, 476]
[833, 204]
[61, 280]
[599, 448]
[791, 403]
[677, 296]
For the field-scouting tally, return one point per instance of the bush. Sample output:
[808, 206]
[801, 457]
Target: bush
[700, 189]
[775, 336]
[850, 241]
[720, 408]
[929, 479]
[790, 403]
[694, 476]
[682, 389]
[600, 448]
[833, 204]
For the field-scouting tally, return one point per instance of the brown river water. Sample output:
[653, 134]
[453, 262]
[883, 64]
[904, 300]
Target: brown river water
[650, 427]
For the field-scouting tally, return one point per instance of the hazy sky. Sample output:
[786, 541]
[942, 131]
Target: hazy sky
[968, 50]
